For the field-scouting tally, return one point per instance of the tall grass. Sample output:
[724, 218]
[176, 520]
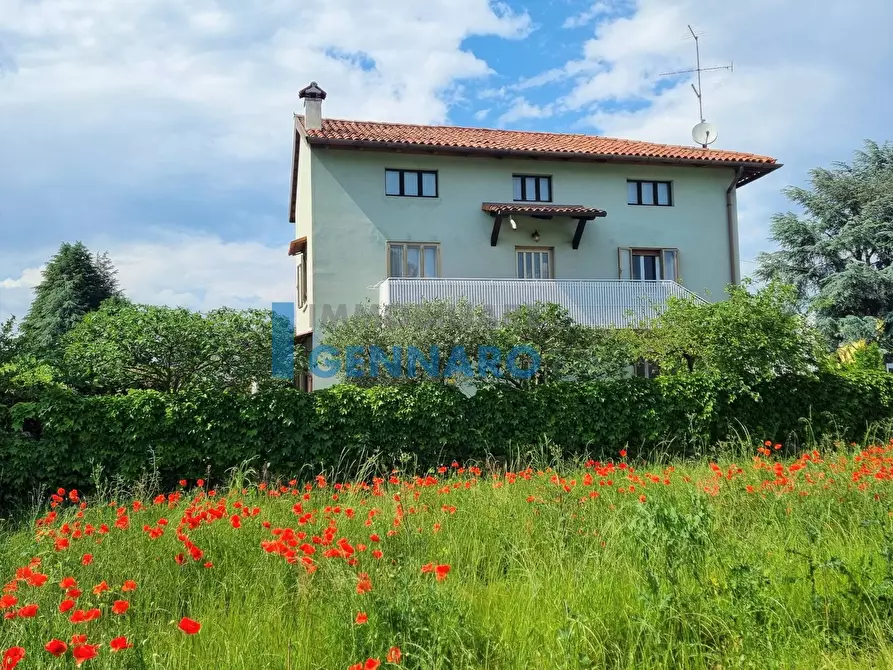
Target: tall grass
[770, 560]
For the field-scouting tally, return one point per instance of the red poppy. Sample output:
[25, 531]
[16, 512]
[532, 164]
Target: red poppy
[394, 655]
[68, 583]
[100, 588]
[84, 652]
[66, 605]
[623, 453]
[37, 579]
[235, 521]
[12, 657]
[119, 643]
[371, 664]
[361, 618]
[56, 647]
[377, 553]
[441, 571]
[87, 559]
[78, 639]
[364, 585]
[80, 616]
[189, 626]
[7, 600]
[428, 568]
[27, 612]
[120, 607]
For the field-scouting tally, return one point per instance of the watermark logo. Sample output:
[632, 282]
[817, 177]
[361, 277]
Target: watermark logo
[325, 361]
[521, 362]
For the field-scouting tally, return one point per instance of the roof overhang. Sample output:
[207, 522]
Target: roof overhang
[751, 170]
[298, 246]
[293, 198]
[499, 210]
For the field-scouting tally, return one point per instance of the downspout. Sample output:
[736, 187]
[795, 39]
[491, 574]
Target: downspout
[730, 224]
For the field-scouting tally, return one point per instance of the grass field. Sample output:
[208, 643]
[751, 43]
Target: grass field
[776, 560]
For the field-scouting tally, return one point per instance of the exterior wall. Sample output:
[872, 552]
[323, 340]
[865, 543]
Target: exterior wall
[353, 219]
[304, 228]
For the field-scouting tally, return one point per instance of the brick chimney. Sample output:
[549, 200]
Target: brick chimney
[313, 96]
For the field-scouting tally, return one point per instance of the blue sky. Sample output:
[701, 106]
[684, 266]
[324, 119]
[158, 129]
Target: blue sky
[161, 131]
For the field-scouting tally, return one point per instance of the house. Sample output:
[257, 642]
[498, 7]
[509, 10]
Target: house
[389, 212]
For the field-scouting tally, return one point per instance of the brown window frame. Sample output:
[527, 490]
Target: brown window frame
[301, 279]
[421, 246]
[660, 252]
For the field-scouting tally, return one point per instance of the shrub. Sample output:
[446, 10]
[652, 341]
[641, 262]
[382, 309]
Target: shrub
[60, 437]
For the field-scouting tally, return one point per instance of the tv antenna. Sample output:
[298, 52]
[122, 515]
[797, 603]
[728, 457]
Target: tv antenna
[704, 133]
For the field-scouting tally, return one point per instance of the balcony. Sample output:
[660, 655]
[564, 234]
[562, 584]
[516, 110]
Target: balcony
[593, 302]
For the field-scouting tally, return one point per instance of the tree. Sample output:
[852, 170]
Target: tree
[565, 348]
[127, 346]
[748, 338]
[839, 252]
[9, 341]
[74, 283]
[437, 323]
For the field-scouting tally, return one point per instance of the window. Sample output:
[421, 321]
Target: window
[534, 263]
[646, 369]
[649, 264]
[649, 193]
[532, 189]
[302, 279]
[411, 183]
[408, 259]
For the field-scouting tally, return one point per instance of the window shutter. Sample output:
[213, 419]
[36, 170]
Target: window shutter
[671, 264]
[624, 262]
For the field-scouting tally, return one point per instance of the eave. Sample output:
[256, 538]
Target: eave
[751, 170]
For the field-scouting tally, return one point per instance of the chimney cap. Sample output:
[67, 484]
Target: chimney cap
[312, 92]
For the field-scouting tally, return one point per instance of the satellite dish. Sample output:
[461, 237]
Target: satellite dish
[704, 133]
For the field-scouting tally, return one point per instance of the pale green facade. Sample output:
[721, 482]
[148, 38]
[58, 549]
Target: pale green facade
[348, 221]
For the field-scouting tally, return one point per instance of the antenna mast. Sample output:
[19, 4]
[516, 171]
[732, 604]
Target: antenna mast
[699, 70]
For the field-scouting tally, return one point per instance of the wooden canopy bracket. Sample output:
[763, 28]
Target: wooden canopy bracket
[497, 224]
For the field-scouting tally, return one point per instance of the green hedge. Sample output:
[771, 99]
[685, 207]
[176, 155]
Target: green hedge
[58, 438]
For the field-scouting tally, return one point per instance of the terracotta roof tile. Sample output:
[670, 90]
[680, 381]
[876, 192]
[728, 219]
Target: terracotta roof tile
[541, 209]
[452, 138]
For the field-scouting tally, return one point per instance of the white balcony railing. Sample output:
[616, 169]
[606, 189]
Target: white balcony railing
[593, 302]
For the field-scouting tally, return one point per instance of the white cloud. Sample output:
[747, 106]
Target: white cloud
[161, 69]
[522, 109]
[29, 278]
[124, 116]
[481, 114]
[195, 270]
[796, 92]
[596, 10]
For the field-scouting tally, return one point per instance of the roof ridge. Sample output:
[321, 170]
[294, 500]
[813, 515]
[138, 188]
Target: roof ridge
[490, 130]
